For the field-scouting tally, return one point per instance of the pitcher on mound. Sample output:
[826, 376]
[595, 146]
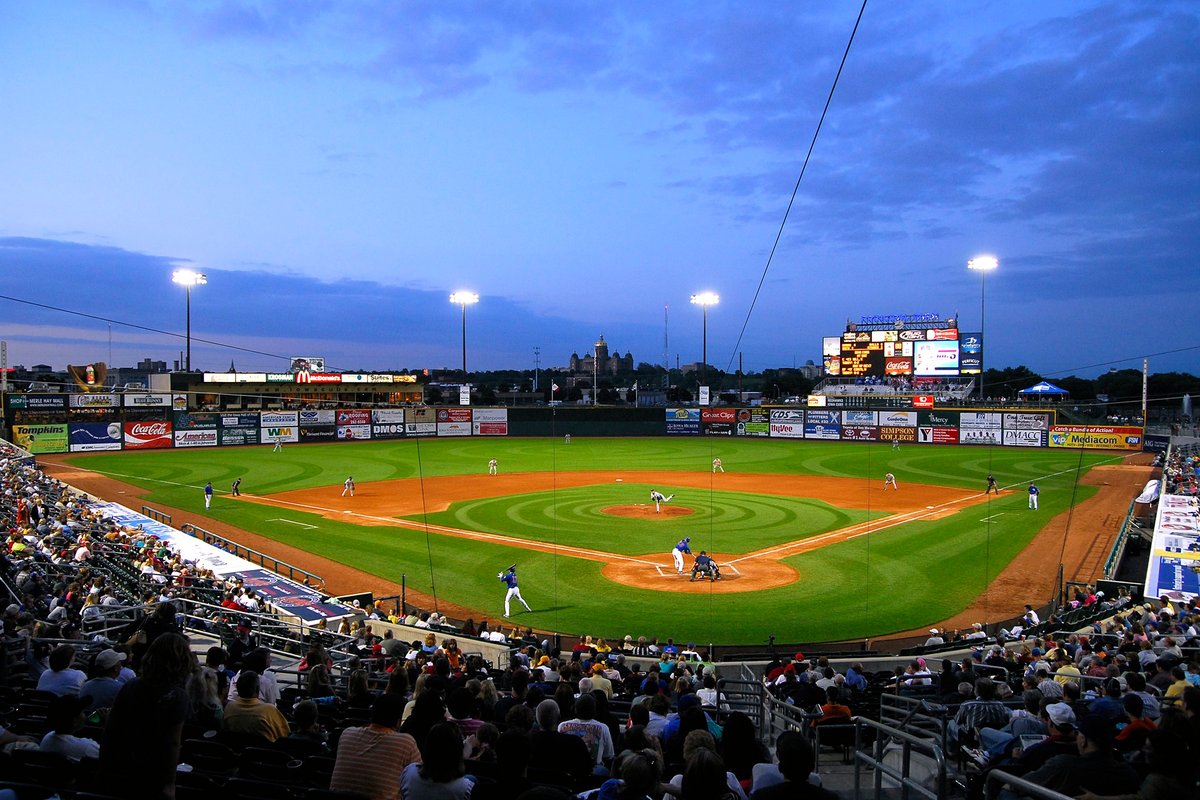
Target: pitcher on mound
[658, 498]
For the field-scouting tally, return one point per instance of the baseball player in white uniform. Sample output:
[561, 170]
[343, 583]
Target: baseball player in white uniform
[657, 497]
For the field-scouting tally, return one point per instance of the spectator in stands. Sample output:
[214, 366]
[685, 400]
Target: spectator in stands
[741, 748]
[985, 711]
[249, 715]
[258, 661]
[319, 683]
[935, 638]
[62, 679]
[796, 763]
[704, 778]
[594, 734]
[427, 710]
[1094, 768]
[67, 714]
[371, 759]
[441, 775]
[558, 751]
[1022, 721]
[307, 738]
[140, 747]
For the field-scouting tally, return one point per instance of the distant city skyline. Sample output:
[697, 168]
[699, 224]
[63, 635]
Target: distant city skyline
[337, 171]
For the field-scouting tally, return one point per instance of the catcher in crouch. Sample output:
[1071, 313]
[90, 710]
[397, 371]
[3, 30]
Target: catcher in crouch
[705, 567]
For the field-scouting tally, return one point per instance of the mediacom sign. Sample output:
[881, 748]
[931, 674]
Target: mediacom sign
[1096, 437]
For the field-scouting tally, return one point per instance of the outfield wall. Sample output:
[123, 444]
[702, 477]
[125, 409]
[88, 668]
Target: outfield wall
[925, 426]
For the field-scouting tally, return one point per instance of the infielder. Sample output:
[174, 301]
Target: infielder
[681, 547]
[509, 577]
[717, 467]
[991, 485]
[890, 480]
[1033, 496]
[208, 492]
[235, 488]
[493, 467]
[348, 486]
[659, 499]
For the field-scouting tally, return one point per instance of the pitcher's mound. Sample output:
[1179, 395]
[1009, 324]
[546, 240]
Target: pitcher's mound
[647, 511]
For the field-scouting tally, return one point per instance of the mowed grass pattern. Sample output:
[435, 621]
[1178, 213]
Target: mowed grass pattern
[895, 578]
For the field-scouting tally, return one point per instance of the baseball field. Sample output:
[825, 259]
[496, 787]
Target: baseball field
[811, 546]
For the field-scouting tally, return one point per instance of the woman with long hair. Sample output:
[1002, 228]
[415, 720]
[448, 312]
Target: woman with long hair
[358, 690]
[140, 747]
[441, 775]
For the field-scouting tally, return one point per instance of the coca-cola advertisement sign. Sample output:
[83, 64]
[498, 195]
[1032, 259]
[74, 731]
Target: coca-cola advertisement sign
[148, 435]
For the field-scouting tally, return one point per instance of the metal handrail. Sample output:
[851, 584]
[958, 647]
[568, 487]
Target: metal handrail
[910, 745]
[1017, 782]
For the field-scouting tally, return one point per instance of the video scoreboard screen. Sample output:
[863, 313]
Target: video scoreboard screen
[915, 352]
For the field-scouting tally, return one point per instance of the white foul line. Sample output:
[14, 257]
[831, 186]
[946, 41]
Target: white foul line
[292, 522]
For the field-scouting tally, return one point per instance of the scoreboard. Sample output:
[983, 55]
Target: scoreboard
[860, 355]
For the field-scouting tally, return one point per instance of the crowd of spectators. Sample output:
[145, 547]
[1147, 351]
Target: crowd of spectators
[1181, 471]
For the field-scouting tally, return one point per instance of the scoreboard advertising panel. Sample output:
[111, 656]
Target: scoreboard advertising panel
[970, 354]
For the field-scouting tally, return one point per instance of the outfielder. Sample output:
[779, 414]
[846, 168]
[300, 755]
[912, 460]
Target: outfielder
[509, 577]
[659, 499]
[1033, 496]
[717, 467]
[890, 480]
[681, 547]
[493, 467]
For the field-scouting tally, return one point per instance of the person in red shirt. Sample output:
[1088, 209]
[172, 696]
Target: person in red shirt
[832, 710]
[1133, 736]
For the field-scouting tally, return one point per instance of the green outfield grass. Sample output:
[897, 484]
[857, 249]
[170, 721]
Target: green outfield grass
[895, 579]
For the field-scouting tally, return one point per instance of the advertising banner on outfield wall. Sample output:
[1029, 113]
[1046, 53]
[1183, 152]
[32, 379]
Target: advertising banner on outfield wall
[860, 418]
[1096, 437]
[86, 437]
[969, 436]
[317, 433]
[41, 438]
[896, 433]
[196, 438]
[979, 421]
[38, 402]
[1024, 438]
[87, 400]
[898, 419]
[143, 400]
[279, 433]
[860, 433]
[354, 432]
[754, 422]
[391, 415]
[453, 429]
[787, 430]
[683, 420]
[237, 436]
[490, 422]
[817, 430]
[353, 416]
[320, 417]
[148, 435]
[387, 430]
[240, 421]
[719, 421]
[927, 435]
[1026, 422]
[420, 422]
[719, 428]
[275, 419]
[823, 416]
[937, 419]
[200, 420]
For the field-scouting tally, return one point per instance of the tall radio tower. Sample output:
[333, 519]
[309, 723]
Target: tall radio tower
[666, 349]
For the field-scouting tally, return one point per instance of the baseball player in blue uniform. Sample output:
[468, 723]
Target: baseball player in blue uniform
[208, 493]
[1033, 496]
[509, 577]
[681, 547]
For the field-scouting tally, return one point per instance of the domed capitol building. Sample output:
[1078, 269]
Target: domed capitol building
[601, 361]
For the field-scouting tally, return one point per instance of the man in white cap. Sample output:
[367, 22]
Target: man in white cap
[935, 638]
[977, 631]
[103, 688]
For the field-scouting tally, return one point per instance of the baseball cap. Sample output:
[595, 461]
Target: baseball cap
[107, 659]
[1060, 714]
[934, 631]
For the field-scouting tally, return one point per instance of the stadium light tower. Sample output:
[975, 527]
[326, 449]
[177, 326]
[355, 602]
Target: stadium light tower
[187, 279]
[464, 299]
[704, 300]
[983, 265]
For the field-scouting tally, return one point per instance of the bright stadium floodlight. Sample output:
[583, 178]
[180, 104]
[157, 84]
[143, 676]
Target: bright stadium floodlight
[983, 265]
[464, 299]
[188, 278]
[704, 300]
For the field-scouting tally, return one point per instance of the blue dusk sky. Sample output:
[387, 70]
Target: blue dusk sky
[338, 169]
